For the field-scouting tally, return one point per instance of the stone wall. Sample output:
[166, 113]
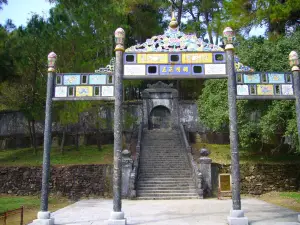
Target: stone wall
[96, 180]
[258, 179]
[71, 181]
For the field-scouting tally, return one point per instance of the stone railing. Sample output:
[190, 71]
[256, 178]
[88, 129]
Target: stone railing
[134, 173]
[197, 176]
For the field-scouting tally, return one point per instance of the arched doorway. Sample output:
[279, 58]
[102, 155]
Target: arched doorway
[160, 118]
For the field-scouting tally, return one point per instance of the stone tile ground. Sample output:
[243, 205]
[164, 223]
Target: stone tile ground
[175, 212]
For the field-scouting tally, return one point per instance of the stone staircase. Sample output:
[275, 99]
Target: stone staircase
[164, 171]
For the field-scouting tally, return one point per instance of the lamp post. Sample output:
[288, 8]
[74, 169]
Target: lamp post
[294, 63]
[43, 216]
[236, 214]
[117, 216]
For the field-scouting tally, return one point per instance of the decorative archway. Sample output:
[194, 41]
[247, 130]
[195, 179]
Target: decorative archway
[160, 118]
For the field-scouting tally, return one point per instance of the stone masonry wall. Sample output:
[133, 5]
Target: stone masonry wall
[262, 178]
[71, 181]
[96, 180]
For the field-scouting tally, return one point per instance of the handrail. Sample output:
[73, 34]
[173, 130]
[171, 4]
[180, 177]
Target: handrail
[197, 176]
[134, 172]
[13, 212]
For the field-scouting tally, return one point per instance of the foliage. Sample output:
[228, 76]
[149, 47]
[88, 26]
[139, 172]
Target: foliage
[278, 16]
[260, 122]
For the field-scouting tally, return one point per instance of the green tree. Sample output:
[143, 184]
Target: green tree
[68, 114]
[26, 92]
[260, 122]
[278, 16]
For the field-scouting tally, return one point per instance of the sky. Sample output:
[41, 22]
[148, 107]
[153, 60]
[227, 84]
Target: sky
[21, 10]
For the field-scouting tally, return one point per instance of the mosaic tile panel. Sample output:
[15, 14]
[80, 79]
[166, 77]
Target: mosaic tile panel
[275, 78]
[72, 79]
[84, 91]
[265, 89]
[242, 90]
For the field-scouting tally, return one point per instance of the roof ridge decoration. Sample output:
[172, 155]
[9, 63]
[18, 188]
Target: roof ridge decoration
[173, 40]
[240, 67]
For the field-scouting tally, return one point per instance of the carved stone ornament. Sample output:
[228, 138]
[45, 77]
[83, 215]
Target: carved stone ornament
[160, 84]
[109, 69]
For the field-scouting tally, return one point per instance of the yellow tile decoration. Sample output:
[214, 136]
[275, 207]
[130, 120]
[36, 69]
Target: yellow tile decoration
[197, 58]
[265, 90]
[152, 58]
[84, 91]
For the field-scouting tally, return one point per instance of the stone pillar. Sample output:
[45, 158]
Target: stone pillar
[294, 63]
[236, 214]
[43, 216]
[127, 164]
[205, 169]
[117, 216]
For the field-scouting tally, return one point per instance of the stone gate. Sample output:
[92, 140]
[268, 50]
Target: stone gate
[160, 106]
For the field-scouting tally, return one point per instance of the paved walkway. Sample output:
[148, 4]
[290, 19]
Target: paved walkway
[174, 212]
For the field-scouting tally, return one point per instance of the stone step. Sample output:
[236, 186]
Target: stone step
[178, 191]
[149, 166]
[167, 194]
[165, 180]
[162, 164]
[162, 172]
[168, 198]
[166, 185]
[167, 189]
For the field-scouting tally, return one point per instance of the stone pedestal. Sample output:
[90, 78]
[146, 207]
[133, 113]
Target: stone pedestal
[237, 218]
[299, 217]
[205, 169]
[127, 164]
[43, 218]
[116, 218]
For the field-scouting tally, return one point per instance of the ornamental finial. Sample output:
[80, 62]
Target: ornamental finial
[228, 38]
[119, 39]
[294, 60]
[173, 24]
[52, 62]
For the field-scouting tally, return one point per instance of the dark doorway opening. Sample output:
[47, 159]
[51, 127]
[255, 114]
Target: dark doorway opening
[160, 118]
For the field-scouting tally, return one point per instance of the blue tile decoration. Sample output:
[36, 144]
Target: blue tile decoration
[97, 79]
[275, 78]
[251, 78]
[72, 79]
[175, 69]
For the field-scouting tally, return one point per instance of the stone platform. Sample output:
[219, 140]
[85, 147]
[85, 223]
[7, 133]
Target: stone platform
[174, 212]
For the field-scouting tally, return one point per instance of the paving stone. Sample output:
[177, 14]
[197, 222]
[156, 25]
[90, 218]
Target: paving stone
[174, 212]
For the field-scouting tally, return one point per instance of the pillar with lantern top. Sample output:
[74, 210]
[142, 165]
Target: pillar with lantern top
[43, 216]
[236, 216]
[117, 216]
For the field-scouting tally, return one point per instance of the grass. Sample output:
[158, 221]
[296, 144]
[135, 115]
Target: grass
[290, 200]
[221, 154]
[85, 155]
[31, 206]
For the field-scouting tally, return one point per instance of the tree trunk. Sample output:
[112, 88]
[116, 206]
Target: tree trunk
[30, 133]
[62, 143]
[99, 143]
[206, 16]
[180, 12]
[77, 140]
[34, 136]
